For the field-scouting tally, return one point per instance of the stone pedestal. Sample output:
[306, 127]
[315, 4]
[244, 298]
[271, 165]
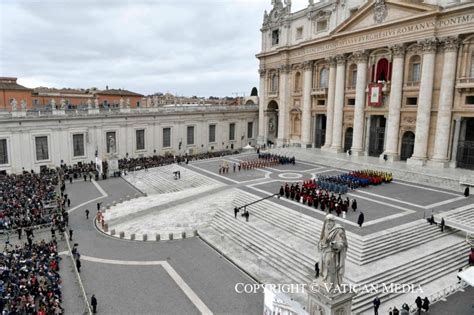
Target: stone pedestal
[93, 111]
[18, 114]
[59, 112]
[125, 110]
[320, 303]
[357, 152]
[416, 161]
[438, 163]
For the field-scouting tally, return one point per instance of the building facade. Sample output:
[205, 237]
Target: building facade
[35, 139]
[385, 78]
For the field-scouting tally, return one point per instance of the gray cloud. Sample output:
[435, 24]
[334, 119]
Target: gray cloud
[189, 47]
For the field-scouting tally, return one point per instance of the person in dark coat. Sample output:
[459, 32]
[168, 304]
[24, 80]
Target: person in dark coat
[360, 220]
[376, 305]
[354, 205]
[316, 269]
[442, 224]
[466, 191]
[78, 265]
[236, 210]
[94, 304]
[419, 304]
[87, 213]
[282, 190]
[70, 234]
[426, 304]
[396, 311]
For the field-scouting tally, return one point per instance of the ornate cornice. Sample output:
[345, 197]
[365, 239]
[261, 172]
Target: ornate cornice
[296, 66]
[428, 45]
[262, 72]
[284, 68]
[398, 51]
[308, 65]
[450, 43]
[340, 59]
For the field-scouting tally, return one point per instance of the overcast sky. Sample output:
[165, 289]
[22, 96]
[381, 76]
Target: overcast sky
[192, 47]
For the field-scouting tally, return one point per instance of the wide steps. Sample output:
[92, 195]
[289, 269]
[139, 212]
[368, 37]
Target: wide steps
[420, 271]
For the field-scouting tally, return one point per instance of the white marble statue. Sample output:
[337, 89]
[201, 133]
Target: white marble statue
[111, 144]
[23, 105]
[63, 104]
[89, 104]
[121, 102]
[333, 248]
[13, 104]
[96, 103]
[127, 102]
[53, 104]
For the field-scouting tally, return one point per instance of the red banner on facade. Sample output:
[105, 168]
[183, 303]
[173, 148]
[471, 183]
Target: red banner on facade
[375, 94]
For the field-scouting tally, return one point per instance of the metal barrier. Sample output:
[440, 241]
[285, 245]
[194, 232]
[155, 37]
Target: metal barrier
[79, 281]
[442, 294]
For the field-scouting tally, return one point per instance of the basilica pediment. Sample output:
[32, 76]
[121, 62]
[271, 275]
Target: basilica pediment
[379, 12]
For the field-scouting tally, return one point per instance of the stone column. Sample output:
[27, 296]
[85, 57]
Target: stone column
[283, 114]
[339, 104]
[445, 104]
[306, 114]
[395, 103]
[457, 132]
[262, 103]
[330, 102]
[424, 102]
[361, 84]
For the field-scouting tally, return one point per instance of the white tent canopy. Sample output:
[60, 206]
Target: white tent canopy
[467, 276]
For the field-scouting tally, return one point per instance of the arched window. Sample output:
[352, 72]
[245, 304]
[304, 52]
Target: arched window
[382, 70]
[297, 81]
[415, 69]
[323, 78]
[352, 76]
[274, 83]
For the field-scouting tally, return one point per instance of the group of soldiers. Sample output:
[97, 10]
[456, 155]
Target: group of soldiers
[340, 184]
[310, 194]
[278, 159]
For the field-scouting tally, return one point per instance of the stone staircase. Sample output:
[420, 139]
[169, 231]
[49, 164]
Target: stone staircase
[461, 219]
[361, 251]
[160, 180]
[273, 231]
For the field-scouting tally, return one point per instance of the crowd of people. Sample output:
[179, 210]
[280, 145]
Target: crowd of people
[131, 164]
[263, 160]
[309, 193]
[27, 198]
[276, 159]
[29, 279]
[340, 184]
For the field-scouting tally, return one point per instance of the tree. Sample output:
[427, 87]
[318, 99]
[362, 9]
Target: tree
[254, 92]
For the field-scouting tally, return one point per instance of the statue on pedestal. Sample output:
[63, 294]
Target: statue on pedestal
[127, 102]
[96, 103]
[13, 104]
[122, 102]
[89, 104]
[333, 247]
[53, 104]
[63, 104]
[23, 105]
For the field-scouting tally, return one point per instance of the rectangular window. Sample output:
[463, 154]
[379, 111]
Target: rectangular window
[351, 101]
[470, 100]
[321, 102]
[299, 33]
[415, 72]
[3, 151]
[212, 133]
[140, 136]
[111, 142]
[472, 66]
[412, 100]
[250, 130]
[232, 131]
[42, 148]
[275, 37]
[190, 135]
[166, 137]
[321, 25]
[78, 145]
